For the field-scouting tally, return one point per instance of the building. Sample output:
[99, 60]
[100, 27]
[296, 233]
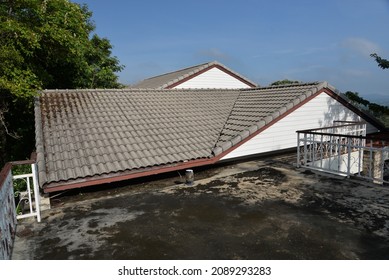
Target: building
[207, 75]
[91, 137]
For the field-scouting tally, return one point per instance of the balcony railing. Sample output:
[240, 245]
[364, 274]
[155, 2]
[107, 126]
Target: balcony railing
[344, 149]
[28, 204]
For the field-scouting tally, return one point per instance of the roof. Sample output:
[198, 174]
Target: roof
[90, 135]
[171, 79]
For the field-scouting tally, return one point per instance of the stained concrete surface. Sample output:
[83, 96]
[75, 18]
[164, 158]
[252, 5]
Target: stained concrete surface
[262, 209]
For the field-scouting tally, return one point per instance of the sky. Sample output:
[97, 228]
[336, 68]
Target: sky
[264, 41]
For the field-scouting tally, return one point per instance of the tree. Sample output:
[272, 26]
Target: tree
[379, 111]
[101, 65]
[284, 82]
[383, 63]
[45, 44]
[354, 96]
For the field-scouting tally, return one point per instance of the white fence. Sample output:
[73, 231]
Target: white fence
[344, 149]
[8, 209]
[31, 196]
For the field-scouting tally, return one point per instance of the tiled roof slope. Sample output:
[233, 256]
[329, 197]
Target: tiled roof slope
[86, 133]
[255, 108]
[168, 79]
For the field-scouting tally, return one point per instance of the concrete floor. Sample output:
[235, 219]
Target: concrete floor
[262, 209]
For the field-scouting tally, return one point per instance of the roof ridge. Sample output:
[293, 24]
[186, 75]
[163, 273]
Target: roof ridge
[237, 74]
[142, 90]
[40, 149]
[81, 89]
[285, 86]
[269, 118]
[176, 77]
[196, 69]
[181, 69]
[225, 123]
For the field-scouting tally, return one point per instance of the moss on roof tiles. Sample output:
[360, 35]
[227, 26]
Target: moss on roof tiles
[202, 123]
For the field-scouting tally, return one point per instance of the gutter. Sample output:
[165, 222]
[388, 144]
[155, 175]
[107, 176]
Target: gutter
[122, 176]
[218, 153]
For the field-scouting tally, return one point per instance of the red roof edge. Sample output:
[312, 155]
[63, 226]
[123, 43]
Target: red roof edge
[8, 166]
[376, 123]
[111, 178]
[54, 187]
[209, 68]
[271, 123]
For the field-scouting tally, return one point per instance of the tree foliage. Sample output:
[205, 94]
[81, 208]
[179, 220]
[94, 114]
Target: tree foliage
[379, 111]
[284, 82]
[383, 63]
[46, 44]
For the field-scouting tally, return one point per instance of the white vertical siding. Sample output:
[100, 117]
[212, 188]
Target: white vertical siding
[339, 163]
[213, 78]
[321, 111]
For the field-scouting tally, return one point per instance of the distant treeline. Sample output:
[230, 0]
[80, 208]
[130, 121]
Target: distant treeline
[379, 111]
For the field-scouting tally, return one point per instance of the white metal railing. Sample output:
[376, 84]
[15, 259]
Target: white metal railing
[344, 149]
[32, 194]
[8, 209]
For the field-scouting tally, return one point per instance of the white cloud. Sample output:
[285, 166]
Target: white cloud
[213, 53]
[360, 45]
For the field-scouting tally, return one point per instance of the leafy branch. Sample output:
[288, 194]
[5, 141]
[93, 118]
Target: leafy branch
[2, 122]
[383, 63]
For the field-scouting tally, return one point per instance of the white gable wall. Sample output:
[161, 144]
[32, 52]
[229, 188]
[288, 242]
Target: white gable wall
[321, 111]
[213, 78]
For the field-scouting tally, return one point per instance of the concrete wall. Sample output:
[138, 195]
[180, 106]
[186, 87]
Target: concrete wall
[321, 111]
[213, 78]
[374, 164]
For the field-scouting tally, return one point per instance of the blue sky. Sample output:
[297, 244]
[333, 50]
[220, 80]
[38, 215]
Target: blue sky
[263, 40]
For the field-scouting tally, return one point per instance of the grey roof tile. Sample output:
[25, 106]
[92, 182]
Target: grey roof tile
[120, 130]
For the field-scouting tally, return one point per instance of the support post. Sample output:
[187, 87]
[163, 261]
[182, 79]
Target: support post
[382, 161]
[348, 156]
[360, 155]
[298, 150]
[305, 148]
[36, 192]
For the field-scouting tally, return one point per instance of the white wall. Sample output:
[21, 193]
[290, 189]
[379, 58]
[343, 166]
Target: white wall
[318, 112]
[213, 78]
[340, 163]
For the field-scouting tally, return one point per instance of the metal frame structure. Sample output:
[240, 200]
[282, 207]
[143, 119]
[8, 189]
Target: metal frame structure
[344, 149]
[32, 194]
[8, 213]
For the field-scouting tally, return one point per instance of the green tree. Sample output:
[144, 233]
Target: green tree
[354, 96]
[101, 65]
[379, 111]
[45, 44]
[383, 63]
[284, 82]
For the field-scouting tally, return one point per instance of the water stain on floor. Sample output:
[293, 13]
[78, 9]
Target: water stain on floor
[271, 211]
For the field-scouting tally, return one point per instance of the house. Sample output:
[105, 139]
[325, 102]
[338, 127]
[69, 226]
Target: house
[207, 75]
[91, 137]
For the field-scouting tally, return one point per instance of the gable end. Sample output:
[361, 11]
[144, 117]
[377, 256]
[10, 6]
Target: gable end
[226, 71]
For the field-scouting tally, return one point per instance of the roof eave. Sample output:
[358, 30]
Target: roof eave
[125, 175]
[39, 145]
